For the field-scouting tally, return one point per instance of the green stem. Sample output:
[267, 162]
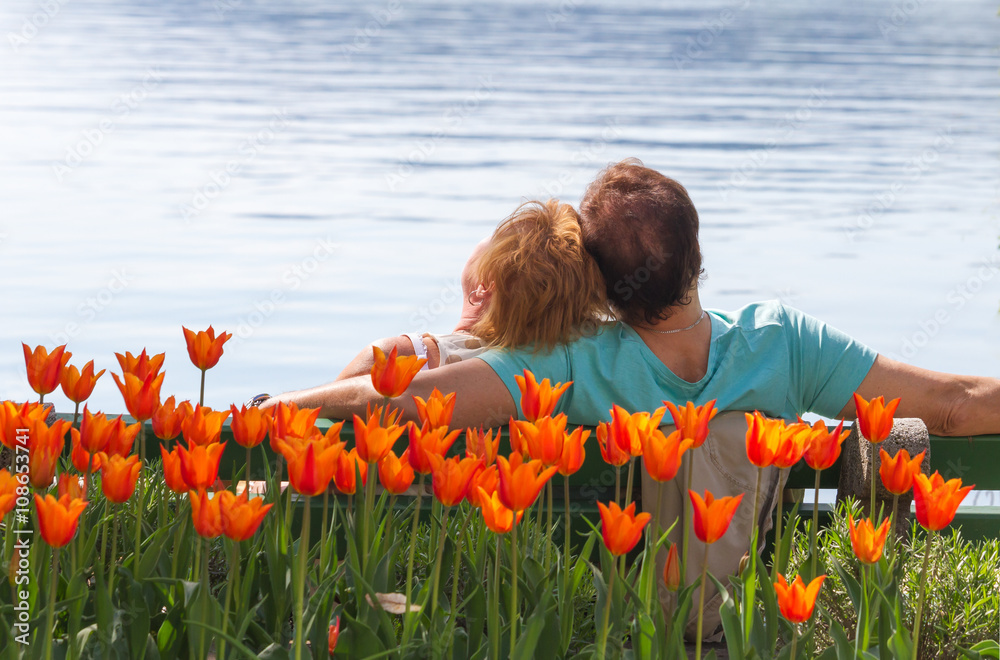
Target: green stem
[233, 577]
[408, 616]
[367, 514]
[628, 483]
[701, 604]
[495, 628]
[247, 474]
[795, 640]
[50, 612]
[871, 476]
[605, 618]
[892, 527]
[323, 529]
[548, 530]
[454, 581]
[688, 521]
[204, 593]
[139, 502]
[815, 526]
[756, 500]
[618, 483]
[920, 598]
[201, 395]
[651, 550]
[777, 535]
[76, 413]
[437, 564]
[114, 560]
[514, 581]
[300, 586]
[566, 535]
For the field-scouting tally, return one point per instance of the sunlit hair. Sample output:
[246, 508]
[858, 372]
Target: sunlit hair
[642, 230]
[545, 288]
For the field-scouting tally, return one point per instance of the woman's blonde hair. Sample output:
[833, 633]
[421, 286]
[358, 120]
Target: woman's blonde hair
[545, 288]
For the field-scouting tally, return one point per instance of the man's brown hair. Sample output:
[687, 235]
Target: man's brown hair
[642, 230]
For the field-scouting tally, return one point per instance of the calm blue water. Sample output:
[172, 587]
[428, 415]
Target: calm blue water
[311, 175]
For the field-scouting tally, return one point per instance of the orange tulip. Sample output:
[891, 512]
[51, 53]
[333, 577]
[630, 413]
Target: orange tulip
[241, 516]
[629, 431]
[289, 419]
[8, 492]
[621, 529]
[498, 518]
[763, 439]
[425, 442]
[662, 454]
[200, 464]
[172, 470]
[68, 484]
[206, 514]
[204, 348]
[610, 451]
[573, 453]
[249, 425]
[823, 447]
[333, 636]
[517, 443]
[58, 518]
[451, 477]
[672, 570]
[346, 470]
[793, 444]
[45, 445]
[482, 445]
[311, 470]
[142, 397]
[544, 438]
[520, 482]
[693, 421]
[14, 417]
[168, 418]
[119, 476]
[96, 431]
[796, 602]
[44, 368]
[78, 455]
[875, 417]
[140, 365]
[392, 375]
[204, 425]
[937, 500]
[898, 471]
[866, 540]
[395, 474]
[436, 410]
[373, 440]
[712, 516]
[122, 437]
[485, 479]
[539, 399]
[79, 385]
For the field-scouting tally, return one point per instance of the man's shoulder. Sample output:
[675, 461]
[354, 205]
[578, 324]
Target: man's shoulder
[754, 316]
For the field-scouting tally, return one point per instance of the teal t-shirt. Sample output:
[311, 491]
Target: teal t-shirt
[765, 356]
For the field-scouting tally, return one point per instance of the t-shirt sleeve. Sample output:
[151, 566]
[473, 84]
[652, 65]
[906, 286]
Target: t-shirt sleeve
[507, 363]
[826, 365]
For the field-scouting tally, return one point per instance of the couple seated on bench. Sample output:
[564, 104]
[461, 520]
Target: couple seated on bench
[609, 299]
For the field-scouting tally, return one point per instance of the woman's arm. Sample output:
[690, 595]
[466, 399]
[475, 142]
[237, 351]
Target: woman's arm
[361, 365]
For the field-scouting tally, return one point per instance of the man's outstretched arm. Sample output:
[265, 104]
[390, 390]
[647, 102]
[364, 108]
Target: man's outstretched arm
[950, 405]
[482, 399]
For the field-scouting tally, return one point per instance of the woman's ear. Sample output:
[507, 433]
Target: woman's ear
[481, 294]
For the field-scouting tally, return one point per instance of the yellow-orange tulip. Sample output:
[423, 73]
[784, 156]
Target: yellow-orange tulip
[206, 514]
[498, 518]
[140, 365]
[573, 453]
[539, 399]
[621, 529]
[395, 473]
[517, 443]
[662, 454]
[823, 447]
[867, 541]
[763, 439]
[610, 451]
[58, 518]
[310, 470]
[692, 421]
[392, 375]
[520, 481]
[241, 516]
[79, 456]
[937, 500]
[712, 516]
[14, 417]
[672, 569]
[172, 470]
[69, 484]
[204, 348]
[793, 444]
[142, 397]
[485, 479]
[44, 368]
[797, 601]
[249, 425]
[200, 464]
[79, 385]
[436, 410]
[346, 470]
[875, 417]
[544, 438]
[96, 431]
[425, 441]
[45, 445]
[898, 471]
[203, 426]
[482, 445]
[8, 492]
[373, 440]
[122, 437]
[451, 477]
[119, 476]
[168, 418]
[289, 419]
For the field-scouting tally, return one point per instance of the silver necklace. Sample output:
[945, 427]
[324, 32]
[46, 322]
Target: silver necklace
[671, 332]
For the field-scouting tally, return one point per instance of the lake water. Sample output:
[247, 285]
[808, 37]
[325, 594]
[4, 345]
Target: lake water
[311, 175]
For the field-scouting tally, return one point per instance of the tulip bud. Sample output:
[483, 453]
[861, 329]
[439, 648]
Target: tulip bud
[672, 570]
